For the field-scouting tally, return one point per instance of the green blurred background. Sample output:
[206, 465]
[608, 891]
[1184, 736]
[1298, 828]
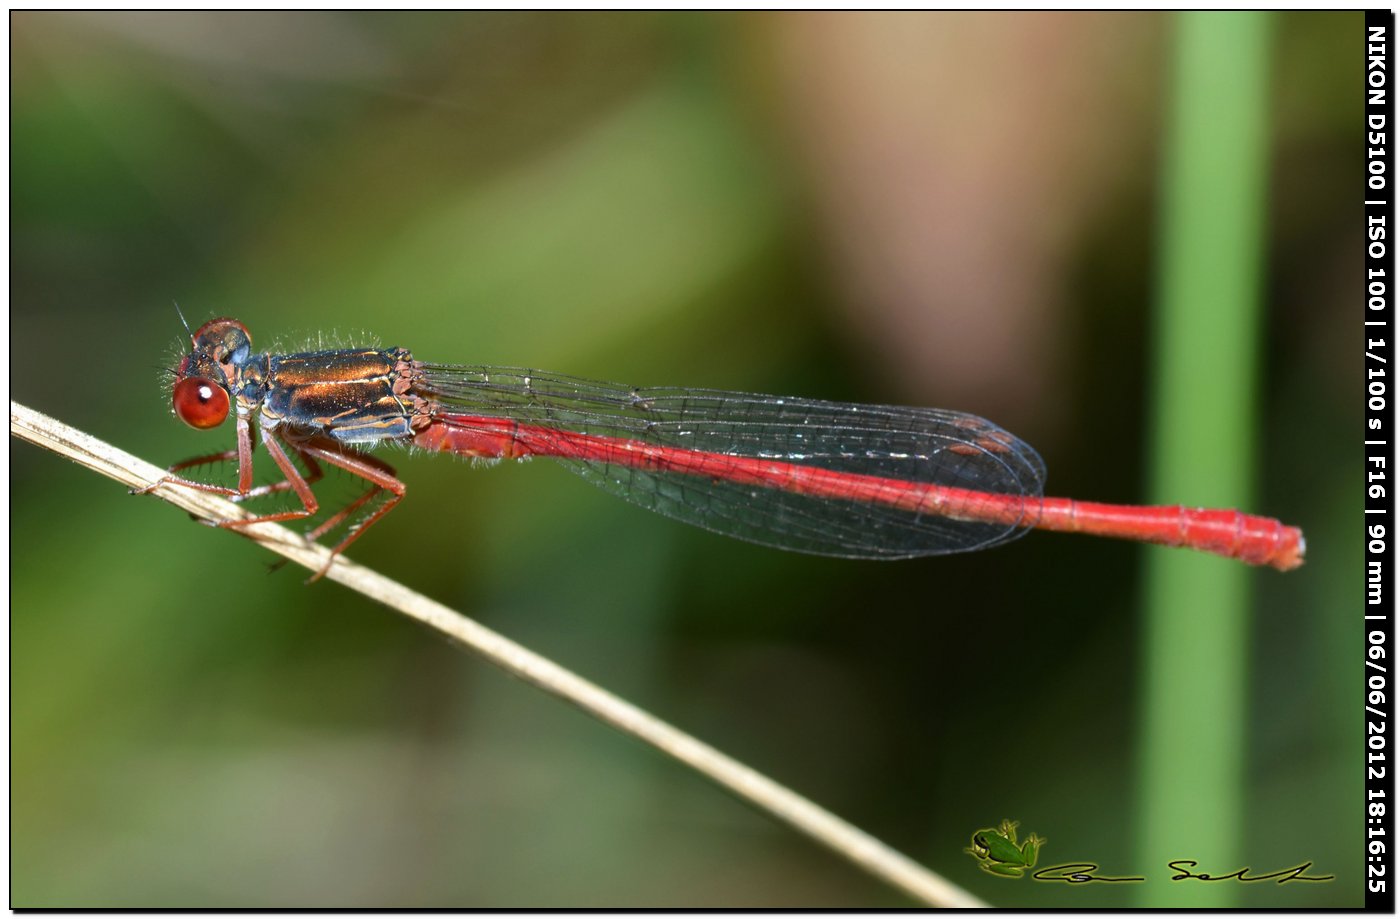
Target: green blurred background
[961, 210]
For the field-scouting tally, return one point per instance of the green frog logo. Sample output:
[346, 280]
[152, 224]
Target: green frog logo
[997, 851]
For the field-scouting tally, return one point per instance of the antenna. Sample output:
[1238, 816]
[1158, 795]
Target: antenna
[182, 319]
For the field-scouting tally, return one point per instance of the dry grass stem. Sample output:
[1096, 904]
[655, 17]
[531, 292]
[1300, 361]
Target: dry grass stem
[841, 837]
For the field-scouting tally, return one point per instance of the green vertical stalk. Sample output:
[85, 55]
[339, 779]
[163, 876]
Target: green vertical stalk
[1191, 798]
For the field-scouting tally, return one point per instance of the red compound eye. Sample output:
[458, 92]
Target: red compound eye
[200, 403]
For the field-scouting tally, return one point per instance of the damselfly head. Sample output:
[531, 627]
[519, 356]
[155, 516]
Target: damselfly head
[200, 397]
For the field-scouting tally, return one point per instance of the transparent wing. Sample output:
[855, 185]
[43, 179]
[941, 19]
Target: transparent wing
[830, 478]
